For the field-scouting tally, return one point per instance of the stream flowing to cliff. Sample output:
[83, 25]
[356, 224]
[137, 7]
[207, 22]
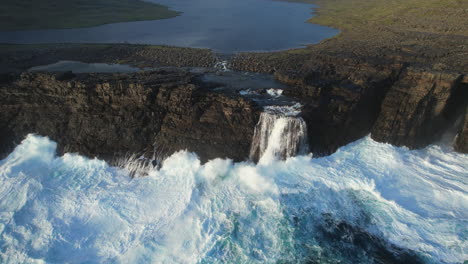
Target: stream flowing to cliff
[367, 197]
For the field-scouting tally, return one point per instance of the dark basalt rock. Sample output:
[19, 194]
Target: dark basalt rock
[347, 97]
[347, 92]
[111, 115]
[340, 103]
[419, 108]
[22, 57]
[461, 142]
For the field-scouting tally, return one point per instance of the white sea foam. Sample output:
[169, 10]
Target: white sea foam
[72, 209]
[274, 92]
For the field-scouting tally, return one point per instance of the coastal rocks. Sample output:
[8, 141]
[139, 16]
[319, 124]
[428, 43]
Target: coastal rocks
[157, 113]
[461, 141]
[112, 115]
[346, 97]
[419, 108]
[22, 57]
[340, 104]
[212, 125]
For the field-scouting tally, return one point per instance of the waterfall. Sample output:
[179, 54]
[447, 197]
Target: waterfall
[222, 66]
[278, 135]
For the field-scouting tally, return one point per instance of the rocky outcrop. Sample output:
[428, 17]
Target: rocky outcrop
[168, 110]
[461, 142]
[346, 97]
[109, 116]
[22, 57]
[340, 102]
[419, 108]
[395, 104]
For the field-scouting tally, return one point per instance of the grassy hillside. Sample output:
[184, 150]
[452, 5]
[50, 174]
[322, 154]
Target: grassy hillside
[59, 14]
[429, 34]
[432, 16]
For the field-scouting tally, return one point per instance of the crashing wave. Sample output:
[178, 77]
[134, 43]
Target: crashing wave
[71, 209]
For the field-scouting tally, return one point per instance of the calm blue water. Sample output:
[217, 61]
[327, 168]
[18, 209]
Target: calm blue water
[227, 26]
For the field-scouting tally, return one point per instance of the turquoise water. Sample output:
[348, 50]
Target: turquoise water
[71, 209]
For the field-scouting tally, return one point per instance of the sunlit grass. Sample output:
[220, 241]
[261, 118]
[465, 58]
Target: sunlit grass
[436, 16]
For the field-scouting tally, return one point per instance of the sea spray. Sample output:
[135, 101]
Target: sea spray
[73, 209]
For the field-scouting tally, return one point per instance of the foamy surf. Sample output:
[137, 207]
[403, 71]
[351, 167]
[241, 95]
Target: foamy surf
[72, 209]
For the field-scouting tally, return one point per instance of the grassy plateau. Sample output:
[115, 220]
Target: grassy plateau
[432, 16]
[64, 14]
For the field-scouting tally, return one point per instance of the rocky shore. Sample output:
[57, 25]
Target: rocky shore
[19, 58]
[156, 113]
[111, 116]
[395, 103]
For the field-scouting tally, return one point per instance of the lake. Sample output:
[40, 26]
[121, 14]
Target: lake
[226, 26]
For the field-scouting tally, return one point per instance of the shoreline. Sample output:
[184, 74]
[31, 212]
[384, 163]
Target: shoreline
[404, 88]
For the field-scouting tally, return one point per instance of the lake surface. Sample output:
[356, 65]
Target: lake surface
[226, 26]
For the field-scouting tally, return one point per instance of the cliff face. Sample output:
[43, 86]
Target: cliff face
[346, 97]
[419, 107]
[461, 142]
[157, 113]
[398, 105]
[341, 102]
[112, 115]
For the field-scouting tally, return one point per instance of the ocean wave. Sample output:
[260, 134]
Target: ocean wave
[72, 209]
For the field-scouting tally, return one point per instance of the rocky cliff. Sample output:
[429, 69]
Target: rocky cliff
[420, 107]
[109, 116]
[341, 101]
[461, 142]
[345, 98]
[157, 113]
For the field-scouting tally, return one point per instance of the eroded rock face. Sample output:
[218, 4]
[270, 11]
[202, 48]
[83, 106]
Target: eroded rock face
[109, 116]
[419, 108]
[340, 102]
[461, 142]
[346, 97]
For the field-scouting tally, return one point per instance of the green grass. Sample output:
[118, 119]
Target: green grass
[437, 16]
[62, 14]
